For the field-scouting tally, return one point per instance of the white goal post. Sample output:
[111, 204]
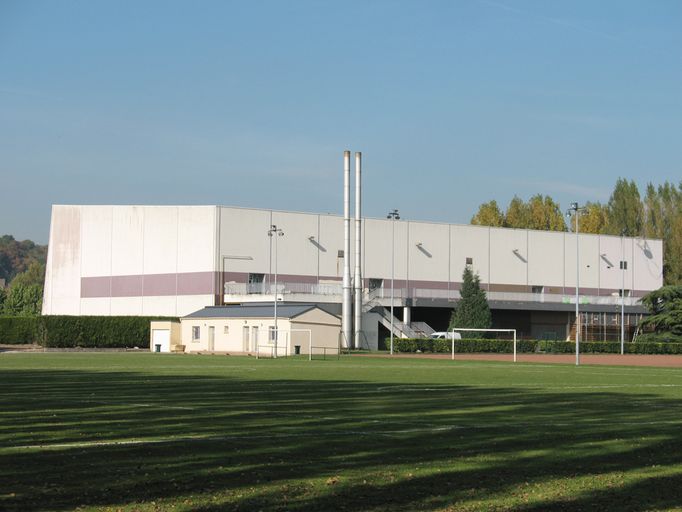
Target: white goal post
[513, 331]
[281, 340]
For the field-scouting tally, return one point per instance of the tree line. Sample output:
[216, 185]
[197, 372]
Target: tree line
[658, 214]
[22, 268]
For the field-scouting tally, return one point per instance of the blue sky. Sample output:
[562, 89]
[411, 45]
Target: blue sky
[252, 103]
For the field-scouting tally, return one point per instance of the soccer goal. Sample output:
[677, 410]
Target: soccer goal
[454, 336]
[324, 351]
[284, 342]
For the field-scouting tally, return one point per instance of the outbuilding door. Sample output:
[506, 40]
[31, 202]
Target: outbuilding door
[161, 340]
[245, 338]
[254, 338]
[211, 338]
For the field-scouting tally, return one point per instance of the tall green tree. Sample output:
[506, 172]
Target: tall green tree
[517, 214]
[23, 300]
[16, 256]
[665, 306]
[545, 214]
[625, 210]
[663, 219]
[472, 310]
[540, 212]
[34, 275]
[672, 252]
[593, 219]
[488, 214]
[25, 294]
[654, 217]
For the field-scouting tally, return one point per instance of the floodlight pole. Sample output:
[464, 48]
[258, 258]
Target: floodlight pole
[622, 293]
[393, 215]
[276, 232]
[575, 210]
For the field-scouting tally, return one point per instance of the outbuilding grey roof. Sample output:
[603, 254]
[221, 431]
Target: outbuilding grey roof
[259, 310]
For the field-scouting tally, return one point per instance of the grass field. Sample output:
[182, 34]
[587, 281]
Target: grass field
[209, 433]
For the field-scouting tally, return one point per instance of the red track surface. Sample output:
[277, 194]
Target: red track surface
[673, 361]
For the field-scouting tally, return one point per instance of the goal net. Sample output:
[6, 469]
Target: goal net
[504, 334]
[284, 343]
[324, 352]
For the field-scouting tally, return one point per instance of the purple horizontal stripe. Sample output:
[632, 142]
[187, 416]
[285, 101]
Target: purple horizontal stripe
[160, 284]
[95, 287]
[196, 283]
[190, 283]
[127, 286]
[209, 283]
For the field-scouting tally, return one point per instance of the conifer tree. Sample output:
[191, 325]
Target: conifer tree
[472, 310]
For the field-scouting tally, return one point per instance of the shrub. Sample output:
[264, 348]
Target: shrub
[412, 345]
[659, 337]
[469, 345]
[78, 331]
[18, 329]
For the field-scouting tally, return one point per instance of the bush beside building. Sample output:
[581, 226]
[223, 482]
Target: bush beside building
[77, 331]
[427, 345]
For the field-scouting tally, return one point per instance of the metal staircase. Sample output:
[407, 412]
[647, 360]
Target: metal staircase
[399, 329]
[371, 303]
[423, 329]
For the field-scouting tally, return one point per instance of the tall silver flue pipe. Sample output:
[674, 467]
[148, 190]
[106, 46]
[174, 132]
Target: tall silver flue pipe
[357, 317]
[347, 309]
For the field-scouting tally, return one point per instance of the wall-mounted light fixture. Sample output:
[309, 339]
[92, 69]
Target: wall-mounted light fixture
[606, 260]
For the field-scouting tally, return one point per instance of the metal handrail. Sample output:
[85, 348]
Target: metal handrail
[384, 293]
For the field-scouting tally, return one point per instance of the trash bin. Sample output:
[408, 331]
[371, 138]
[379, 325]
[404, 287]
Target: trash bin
[297, 350]
[157, 347]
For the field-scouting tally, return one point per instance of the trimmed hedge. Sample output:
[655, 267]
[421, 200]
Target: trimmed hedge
[78, 331]
[412, 345]
[18, 329]
[653, 337]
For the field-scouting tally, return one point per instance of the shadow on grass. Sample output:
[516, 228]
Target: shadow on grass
[215, 443]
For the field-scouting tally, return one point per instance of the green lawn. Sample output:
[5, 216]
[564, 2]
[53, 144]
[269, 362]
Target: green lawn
[210, 433]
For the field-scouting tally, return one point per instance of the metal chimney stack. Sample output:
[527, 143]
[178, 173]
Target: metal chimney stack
[347, 308]
[357, 317]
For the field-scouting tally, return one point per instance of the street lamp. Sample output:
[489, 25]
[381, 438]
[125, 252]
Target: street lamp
[623, 267]
[575, 211]
[394, 216]
[276, 232]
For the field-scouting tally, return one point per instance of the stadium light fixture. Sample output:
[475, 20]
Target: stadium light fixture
[575, 210]
[275, 232]
[394, 215]
[623, 267]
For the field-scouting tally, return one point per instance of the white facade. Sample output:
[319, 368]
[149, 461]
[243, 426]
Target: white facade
[130, 260]
[314, 329]
[173, 260]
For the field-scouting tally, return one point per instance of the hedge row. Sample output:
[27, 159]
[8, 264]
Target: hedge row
[77, 331]
[412, 345]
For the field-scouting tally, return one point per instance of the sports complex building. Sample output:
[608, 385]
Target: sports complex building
[176, 260]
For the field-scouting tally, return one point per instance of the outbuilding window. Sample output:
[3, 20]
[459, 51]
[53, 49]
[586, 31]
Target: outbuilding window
[196, 333]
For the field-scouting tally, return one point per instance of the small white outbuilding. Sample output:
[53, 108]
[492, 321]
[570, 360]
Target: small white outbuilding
[250, 328]
[164, 336]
